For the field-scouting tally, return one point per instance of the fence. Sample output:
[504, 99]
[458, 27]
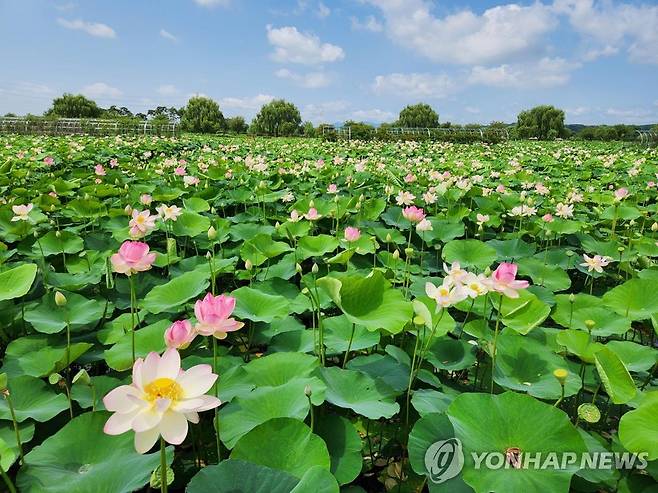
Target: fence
[73, 126]
[440, 133]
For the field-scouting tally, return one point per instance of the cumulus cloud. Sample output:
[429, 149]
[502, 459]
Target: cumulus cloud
[246, 103]
[96, 29]
[293, 46]
[101, 90]
[547, 72]
[372, 115]
[310, 80]
[167, 35]
[324, 112]
[499, 34]
[415, 85]
[370, 23]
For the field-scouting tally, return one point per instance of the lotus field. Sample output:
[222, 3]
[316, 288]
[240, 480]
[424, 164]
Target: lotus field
[269, 315]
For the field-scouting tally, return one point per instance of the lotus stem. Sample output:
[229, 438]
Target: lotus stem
[132, 315]
[10, 485]
[349, 346]
[216, 391]
[19, 443]
[163, 466]
[495, 341]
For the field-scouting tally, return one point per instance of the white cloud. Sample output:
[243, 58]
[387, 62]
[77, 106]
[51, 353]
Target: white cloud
[373, 115]
[167, 35]
[212, 3]
[323, 11]
[472, 110]
[499, 34]
[368, 24]
[415, 85]
[310, 80]
[577, 111]
[101, 90]
[547, 72]
[325, 112]
[248, 103]
[292, 46]
[612, 26]
[595, 53]
[167, 90]
[96, 29]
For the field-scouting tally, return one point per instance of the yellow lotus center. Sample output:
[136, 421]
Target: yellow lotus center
[444, 292]
[475, 287]
[163, 388]
[140, 219]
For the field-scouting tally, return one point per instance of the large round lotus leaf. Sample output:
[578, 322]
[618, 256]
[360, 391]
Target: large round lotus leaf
[191, 224]
[40, 355]
[469, 253]
[261, 248]
[8, 434]
[150, 338]
[428, 430]
[427, 401]
[299, 303]
[316, 246]
[48, 318]
[80, 458]
[89, 395]
[280, 368]
[285, 444]
[32, 398]
[338, 332]
[357, 391]
[170, 297]
[596, 445]
[523, 313]
[614, 376]
[369, 301]
[258, 306]
[488, 423]
[638, 429]
[551, 276]
[636, 299]
[16, 282]
[588, 307]
[579, 343]
[382, 367]
[635, 357]
[526, 365]
[344, 445]
[512, 250]
[246, 412]
[55, 244]
[451, 354]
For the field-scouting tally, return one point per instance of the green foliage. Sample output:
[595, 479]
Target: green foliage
[541, 122]
[419, 115]
[277, 118]
[202, 115]
[74, 106]
[360, 130]
[236, 125]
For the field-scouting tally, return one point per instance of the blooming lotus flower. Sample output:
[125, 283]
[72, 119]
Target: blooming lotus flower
[503, 280]
[621, 194]
[179, 171]
[179, 335]
[404, 198]
[547, 218]
[212, 314]
[482, 218]
[48, 161]
[21, 212]
[352, 234]
[142, 223]
[190, 181]
[563, 210]
[413, 214]
[455, 274]
[295, 216]
[424, 225]
[429, 197]
[133, 257]
[410, 178]
[312, 214]
[145, 199]
[169, 212]
[332, 188]
[160, 401]
[474, 285]
[444, 295]
[113, 163]
[99, 170]
[595, 263]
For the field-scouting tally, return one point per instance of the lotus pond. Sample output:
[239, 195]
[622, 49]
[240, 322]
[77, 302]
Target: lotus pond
[271, 315]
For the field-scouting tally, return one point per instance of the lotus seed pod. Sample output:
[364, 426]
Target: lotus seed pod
[590, 324]
[83, 377]
[315, 268]
[409, 252]
[54, 378]
[60, 299]
[212, 233]
[561, 374]
[589, 413]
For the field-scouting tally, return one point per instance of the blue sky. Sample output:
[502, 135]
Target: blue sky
[472, 61]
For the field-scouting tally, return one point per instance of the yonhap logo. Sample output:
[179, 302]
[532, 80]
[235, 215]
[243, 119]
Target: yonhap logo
[444, 460]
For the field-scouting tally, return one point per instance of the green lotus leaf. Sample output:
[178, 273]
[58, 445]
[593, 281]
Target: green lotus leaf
[469, 253]
[191, 224]
[451, 354]
[636, 299]
[32, 398]
[40, 355]
[261, 248]
[170, 296]
[587, 307]
[551, 276]
[17, 281]
[316, 246]
[258, 306]
[344, 446]
[147, 339]
[524, 313]
[638, 429]
[53, 243]
[80, 312]
[616, 380]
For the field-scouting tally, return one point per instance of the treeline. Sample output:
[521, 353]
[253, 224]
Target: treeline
[282, 118]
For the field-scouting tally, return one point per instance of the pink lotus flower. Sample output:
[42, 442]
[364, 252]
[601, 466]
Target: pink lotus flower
[142, 223]
[212, 314]
[179, 335]
[504, 280]
[424, 225]
[413, 214]
[190, 181]
[332, 188]
[179, 171]
[312, 214]
[352, 234]
[482, 218]
[145, 199]
[410, 178]
[99, 170]
[133, 257]
[621, 194]
[548, 218]
[48, 161]
[160, 401]
[169, 212]
[21, 212]
[500, 188]
[113, 163]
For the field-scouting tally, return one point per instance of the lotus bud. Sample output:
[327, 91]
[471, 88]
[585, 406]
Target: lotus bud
[298, 268]
[654, 227]
[58, 234]
[388, 238]
[311, 204]
[128, 210]
[208, 255]
[308, 391]
[60, 299]
[572, 298]
[315, 268]
[561, 375]
[52, 207]
[277, 225]
[83, 377]
[212, 233]
[409, 252]
[396, 254]
[590, 325]
[248, 264]
[305, 291]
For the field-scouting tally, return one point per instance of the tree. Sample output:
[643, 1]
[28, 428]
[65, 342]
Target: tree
[74, 106]
[360, 130]
[541, 122]
[236, 124]
[278, 117]
[172, 115]
[419, 115]
[308, 130]
[202, 115]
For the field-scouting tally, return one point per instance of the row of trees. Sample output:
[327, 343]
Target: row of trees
[282, 118]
